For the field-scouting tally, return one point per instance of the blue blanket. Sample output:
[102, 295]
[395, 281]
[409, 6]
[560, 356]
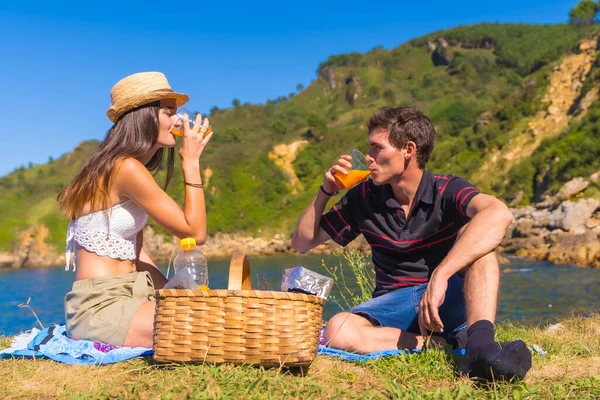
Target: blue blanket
[348, 356]
[53, 343]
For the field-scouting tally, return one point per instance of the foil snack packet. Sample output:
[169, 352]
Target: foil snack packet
[303, 280]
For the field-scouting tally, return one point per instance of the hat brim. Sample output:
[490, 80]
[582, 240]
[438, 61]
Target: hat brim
[116, 110]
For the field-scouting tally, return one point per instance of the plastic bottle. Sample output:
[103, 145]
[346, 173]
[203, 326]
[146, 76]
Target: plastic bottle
[189, 256]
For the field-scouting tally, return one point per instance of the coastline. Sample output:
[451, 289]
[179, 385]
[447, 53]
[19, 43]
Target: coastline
[576, 249]
[561, 229]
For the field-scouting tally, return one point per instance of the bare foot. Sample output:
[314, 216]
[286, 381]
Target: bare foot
[430, 341]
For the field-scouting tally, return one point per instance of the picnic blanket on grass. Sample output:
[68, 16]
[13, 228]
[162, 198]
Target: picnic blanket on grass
[349, 356]
[53, 343]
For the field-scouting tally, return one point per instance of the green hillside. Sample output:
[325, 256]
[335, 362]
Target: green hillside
[498, 73]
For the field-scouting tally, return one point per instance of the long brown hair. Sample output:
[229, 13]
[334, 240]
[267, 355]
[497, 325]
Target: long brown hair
[133, 135]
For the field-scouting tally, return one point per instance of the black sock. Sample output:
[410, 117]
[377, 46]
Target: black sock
[487, 359]
[458, 340]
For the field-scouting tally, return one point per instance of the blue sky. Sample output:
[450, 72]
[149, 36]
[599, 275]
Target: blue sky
[59, 59]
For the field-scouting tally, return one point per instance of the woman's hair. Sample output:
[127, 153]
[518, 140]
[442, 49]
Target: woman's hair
[133, 135]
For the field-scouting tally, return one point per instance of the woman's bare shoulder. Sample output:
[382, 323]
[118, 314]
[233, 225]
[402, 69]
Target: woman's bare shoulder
[131, 166]
[133, 177]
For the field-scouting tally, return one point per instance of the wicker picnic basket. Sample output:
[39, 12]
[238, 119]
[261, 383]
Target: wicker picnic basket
[238, 325]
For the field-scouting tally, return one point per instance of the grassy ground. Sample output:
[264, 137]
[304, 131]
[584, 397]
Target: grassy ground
[570, 369]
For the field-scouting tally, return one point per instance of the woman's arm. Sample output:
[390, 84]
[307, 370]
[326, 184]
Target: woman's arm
[134, 181]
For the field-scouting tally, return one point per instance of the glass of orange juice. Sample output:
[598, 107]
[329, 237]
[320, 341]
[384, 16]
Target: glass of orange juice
[178, 121]
[357, 173]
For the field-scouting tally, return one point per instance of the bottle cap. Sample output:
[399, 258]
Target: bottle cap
[187, 243]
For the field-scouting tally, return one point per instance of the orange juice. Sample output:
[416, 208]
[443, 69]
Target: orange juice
[179, 131]
[354, 176]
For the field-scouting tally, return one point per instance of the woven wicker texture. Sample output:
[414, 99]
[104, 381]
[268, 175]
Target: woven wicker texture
[140, 89]
[237, 326]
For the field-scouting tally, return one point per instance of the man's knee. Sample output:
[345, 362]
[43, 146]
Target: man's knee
[343, 330]
[488, 263]
[490, 259]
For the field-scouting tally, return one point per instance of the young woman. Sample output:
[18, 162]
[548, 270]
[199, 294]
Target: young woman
[109, 201]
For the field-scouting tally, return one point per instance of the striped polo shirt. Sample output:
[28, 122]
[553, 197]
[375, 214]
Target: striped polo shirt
[404, 251]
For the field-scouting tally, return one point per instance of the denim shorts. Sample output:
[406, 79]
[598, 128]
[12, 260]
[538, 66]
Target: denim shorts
[400, 308]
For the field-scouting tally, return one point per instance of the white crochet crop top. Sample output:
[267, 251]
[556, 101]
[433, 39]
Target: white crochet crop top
[111, 232]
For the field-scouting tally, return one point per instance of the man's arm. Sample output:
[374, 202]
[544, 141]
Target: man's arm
[490, 219]
[309, 233]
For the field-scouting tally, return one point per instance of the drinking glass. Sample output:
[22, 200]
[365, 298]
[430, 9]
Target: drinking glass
[178, 121]
[357, 173]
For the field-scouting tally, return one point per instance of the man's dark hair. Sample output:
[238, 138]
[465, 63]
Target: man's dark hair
[406, 124]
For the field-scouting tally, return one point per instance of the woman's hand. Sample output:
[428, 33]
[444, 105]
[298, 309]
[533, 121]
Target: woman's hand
[194, 140]
[342, 166]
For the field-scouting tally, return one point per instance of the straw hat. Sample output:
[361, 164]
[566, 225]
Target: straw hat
[139, 89]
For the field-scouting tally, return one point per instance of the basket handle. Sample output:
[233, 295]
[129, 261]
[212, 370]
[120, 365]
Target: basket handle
[239, 273]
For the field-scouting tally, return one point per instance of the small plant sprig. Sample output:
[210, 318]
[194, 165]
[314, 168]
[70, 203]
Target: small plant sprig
[171, 258]
[361, 271]
[26, 305]
[263, 283]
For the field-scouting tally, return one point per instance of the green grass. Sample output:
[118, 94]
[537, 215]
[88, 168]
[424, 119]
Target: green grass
[570, 370]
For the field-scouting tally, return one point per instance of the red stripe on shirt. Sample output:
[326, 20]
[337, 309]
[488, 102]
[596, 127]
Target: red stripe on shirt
[337, 233]
[402, 278]
[417, 247]
[465, 197]
[444, 187]
[413, 241]
[341, 218]
[462, 190]
[395, 284]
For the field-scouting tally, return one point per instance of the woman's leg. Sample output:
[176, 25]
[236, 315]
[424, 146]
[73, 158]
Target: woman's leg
[141, 330]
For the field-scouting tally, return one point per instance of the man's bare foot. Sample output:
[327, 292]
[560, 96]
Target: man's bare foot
[430, 341]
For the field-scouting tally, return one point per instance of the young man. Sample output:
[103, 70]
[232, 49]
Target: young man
[432, 239]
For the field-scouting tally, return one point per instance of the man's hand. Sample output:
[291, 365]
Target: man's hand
[342, 166]
[429, 317]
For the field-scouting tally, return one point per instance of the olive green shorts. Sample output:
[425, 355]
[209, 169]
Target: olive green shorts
[101, 309]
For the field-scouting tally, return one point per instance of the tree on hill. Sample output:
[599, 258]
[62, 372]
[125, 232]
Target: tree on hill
[584, 13]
